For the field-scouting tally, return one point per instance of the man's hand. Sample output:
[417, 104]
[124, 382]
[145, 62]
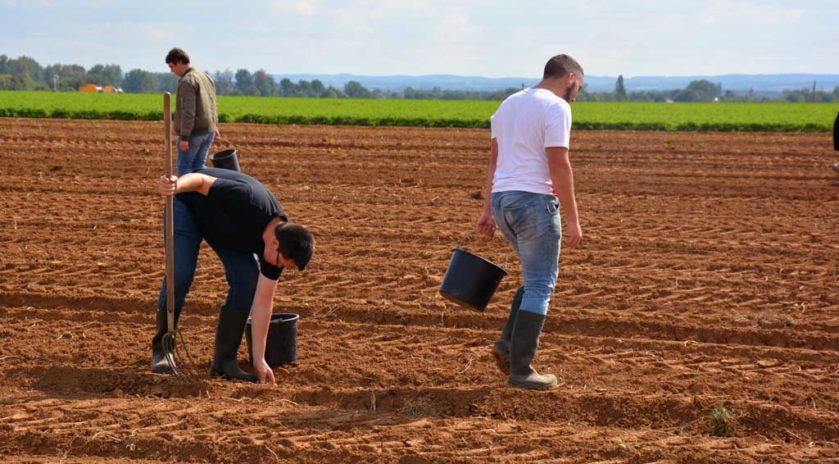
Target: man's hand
[264, 374]
[184, 145]
[218, 135]
[573, 234]
[485, 224]
[167, 187]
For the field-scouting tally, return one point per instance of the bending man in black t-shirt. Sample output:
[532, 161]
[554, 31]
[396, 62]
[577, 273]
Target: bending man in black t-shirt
[246, 227]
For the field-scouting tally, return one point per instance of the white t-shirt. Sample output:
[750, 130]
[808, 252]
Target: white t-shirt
[524, 125]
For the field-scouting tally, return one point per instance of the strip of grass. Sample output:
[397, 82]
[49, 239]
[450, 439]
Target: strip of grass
[775, 117]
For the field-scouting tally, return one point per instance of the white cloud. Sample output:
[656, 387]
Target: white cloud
[300, 7]
[456, 23]
[149, 32]
[485, 37]
[26, 4]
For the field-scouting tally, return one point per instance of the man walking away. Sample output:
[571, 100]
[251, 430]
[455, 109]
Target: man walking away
[529, 164]
[196, 116]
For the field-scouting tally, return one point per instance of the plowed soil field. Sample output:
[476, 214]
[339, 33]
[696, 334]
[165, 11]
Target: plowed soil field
[708, 277]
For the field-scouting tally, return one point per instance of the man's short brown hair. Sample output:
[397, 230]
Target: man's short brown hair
[296, 243]
[561, 65]
[176, 55]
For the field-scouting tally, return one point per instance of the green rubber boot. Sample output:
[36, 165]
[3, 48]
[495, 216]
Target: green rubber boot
[526, 332]
[501, 349]
[231, 327]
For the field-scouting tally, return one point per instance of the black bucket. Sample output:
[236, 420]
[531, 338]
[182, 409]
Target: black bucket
[225, 159]
[281, 346]
[470, 280]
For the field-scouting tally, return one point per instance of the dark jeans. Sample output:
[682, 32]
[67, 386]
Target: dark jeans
[240, 267]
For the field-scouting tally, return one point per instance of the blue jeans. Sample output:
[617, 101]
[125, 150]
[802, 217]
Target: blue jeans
[240, 267]
[196, 157]
[530, 221]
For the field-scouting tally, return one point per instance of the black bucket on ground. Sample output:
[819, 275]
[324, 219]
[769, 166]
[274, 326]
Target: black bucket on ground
[470, 280]
[225, 159]
[281, 346]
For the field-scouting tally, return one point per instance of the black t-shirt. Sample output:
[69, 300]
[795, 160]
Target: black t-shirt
[234, 214]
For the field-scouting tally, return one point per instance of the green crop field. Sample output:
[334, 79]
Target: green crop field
[785, 117]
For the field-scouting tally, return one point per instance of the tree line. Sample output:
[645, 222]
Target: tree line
[696, 91]
[704, 90]
[25, 73]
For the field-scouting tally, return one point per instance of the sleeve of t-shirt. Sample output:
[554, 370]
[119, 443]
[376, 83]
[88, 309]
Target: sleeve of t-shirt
[558, 126]
[269, 270]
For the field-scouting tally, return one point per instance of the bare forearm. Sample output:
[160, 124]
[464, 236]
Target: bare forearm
[563, 179]
[486, 223]
[261, 308]
[194, 182]
[493, 162]
[260, 319]
[487, 190]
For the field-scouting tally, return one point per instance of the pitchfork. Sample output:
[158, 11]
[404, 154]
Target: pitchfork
[182, 367]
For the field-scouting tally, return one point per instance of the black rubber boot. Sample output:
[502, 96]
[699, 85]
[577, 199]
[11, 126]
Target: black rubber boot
[231, 327]
[501, 349]
[159, 365]
[526, 332]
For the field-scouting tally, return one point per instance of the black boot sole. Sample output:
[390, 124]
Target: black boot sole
[532, 386]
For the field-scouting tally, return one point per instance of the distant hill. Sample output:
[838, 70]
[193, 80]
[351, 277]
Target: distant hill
[427, 82]
[759, 83]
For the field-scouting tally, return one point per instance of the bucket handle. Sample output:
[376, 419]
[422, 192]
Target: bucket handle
[471, 236]
[466, 238]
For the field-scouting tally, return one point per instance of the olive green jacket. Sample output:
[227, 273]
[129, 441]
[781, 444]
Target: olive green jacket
[196, 104]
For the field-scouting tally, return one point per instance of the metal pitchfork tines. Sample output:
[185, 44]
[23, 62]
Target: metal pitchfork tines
[182, 368]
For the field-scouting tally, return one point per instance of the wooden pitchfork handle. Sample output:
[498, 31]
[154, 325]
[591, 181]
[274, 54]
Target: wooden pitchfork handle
[169, 217]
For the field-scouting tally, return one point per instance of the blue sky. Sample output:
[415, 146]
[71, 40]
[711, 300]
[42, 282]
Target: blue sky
[490, 38]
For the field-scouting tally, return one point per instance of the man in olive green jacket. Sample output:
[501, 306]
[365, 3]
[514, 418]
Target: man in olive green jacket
[196, 117]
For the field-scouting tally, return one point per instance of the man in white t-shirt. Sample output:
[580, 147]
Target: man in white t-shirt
[529, 167]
